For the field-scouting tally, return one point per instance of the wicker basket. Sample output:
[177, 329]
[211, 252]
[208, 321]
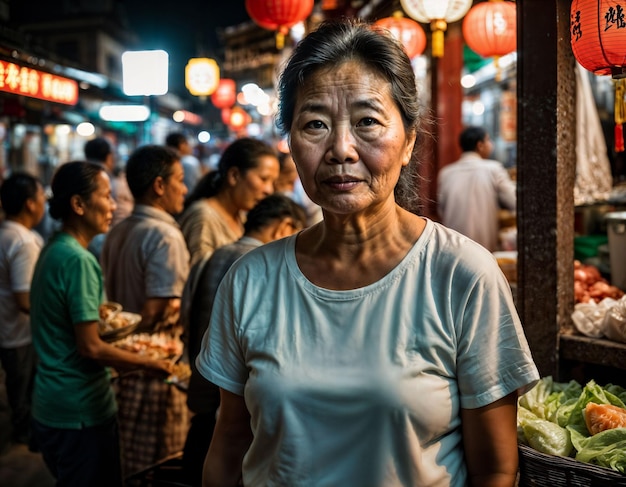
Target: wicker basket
[540, 470]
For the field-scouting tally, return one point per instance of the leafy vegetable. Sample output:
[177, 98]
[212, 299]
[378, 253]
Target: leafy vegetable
[607, 449]
[551, 419]
[547, 437]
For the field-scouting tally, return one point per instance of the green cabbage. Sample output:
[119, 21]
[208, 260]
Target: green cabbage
[606, 449]
[551, 419]
[547, 437]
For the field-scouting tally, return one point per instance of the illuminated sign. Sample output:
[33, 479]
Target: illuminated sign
[202, 76]
[145, 72]
[37, 84]
[124, 113]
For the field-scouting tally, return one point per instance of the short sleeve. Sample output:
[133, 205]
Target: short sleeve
[167, 267]
[22, 266]
[84, 288]
[493, 357]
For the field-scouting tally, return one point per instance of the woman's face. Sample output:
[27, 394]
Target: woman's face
[99, 208]
[256, 183]
[348, 139]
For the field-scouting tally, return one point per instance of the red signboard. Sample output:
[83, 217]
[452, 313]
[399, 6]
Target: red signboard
[37, 84]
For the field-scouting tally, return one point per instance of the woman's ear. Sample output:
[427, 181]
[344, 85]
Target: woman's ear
[232, 176]
[77, 205]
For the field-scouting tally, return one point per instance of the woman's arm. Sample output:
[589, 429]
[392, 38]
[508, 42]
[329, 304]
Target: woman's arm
[89, 344]
[231, 440]
[490, 441]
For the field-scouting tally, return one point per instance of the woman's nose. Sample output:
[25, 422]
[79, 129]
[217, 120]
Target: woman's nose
[342, 146]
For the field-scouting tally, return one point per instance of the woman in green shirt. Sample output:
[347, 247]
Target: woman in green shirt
[74, 408]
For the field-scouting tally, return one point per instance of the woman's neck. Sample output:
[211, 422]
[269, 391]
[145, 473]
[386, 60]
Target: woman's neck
[229, 211]
[80, 234]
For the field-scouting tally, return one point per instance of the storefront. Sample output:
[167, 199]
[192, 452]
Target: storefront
[36, 109]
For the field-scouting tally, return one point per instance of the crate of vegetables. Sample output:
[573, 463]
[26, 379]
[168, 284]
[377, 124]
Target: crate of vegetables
[572, 435]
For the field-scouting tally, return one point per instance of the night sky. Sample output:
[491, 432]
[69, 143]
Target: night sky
[183, 28]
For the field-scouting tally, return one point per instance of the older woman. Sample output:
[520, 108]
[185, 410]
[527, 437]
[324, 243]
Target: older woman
[216, 209]
[74, 407]
[394, 354]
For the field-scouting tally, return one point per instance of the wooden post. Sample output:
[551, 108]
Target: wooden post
[546, 168]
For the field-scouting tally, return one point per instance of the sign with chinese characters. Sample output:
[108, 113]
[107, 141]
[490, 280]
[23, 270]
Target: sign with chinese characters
[25, 81]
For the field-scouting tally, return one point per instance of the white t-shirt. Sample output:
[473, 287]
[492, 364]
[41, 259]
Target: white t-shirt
[19, 250]
[364, 387]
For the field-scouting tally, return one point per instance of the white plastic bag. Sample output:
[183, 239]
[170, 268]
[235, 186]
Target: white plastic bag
[588, 317]
[614, 322]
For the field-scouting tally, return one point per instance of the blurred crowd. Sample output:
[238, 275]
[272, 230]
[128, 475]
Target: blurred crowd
[140, 236]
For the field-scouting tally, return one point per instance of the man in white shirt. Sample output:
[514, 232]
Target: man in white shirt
[473, 189]
[23, 202]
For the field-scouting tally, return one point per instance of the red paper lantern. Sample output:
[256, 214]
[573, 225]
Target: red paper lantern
[407, 31]
[279, 15]
[598, 38]
[225, 95]
[489, 28]
[598, 35]
[239, 118]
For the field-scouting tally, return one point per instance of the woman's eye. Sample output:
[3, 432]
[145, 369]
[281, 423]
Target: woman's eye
[314, 124]
[367, 122]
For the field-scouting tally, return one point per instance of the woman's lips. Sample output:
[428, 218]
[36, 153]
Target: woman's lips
[342, 182]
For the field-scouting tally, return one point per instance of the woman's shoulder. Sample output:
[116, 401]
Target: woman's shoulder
[449, 247]
[200, 212]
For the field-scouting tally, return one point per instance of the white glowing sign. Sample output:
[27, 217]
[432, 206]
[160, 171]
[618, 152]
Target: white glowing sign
[145, 72]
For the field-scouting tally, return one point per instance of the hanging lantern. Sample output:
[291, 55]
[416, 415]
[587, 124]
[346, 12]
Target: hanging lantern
[225, 95]
[279, 15]
[598, 38]
[238, 119]
[438, 13]
[407, 31]
[202, 76]
[490, 29]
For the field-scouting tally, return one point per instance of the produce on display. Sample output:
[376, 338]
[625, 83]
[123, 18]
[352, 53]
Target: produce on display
[566, 419]
[589, 285]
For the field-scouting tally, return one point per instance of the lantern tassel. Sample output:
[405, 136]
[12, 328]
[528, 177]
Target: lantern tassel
[280, 40]
[620, 113]
[438, 27]
[496, 64]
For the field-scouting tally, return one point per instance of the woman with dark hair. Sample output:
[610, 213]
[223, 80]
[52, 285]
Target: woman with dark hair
[74, 409]
[216, 209]
[395, 354]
